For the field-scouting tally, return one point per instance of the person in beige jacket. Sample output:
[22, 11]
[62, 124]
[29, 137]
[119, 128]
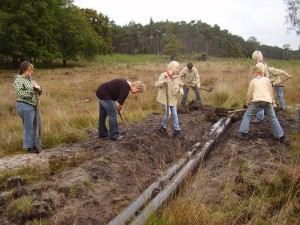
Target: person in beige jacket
[274, 75]
[190, 79]
[258, 58]
[169, 85]
[260, 96]
[275, 78]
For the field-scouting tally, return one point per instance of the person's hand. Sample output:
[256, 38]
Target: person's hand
[198, 86]
[275, 105]
[166, 80]
[37, 88]
[181, 91]
[290, 76]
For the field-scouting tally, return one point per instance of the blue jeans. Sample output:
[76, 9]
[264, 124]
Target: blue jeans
[280, 97]
[174, 116]
[260, 115]
[107, 108]
[28, 115]
[186, 92]
[252, 110]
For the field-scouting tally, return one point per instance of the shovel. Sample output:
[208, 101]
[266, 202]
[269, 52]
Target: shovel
[37, 129]
[279, 84]
[222, 112]
[120, 114]
[209, 89]
[168, 107]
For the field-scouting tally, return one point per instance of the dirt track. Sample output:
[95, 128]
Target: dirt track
[112, 174]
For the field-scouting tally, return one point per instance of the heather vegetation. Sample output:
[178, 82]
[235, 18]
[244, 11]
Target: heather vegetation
[69, 105]
[70, 109]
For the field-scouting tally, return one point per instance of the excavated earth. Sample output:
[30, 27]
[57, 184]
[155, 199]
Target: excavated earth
[103, 176]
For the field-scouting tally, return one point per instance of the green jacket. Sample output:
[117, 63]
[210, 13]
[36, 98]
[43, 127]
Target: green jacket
[24, 89]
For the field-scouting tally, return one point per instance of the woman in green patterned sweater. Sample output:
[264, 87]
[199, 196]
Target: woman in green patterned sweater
[27, 89]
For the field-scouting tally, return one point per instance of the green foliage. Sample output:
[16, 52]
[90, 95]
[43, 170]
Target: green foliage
[20, 207]
[28, 174]
[172, 46]
[293, 10]
[51, 30]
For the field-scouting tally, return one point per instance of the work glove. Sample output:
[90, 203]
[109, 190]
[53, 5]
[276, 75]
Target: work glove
[181, 91]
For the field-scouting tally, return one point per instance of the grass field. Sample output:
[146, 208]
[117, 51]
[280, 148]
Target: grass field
[70, 108]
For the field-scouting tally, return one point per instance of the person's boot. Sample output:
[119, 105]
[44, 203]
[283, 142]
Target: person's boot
[176, 133]
[163, 130]
[244, 136]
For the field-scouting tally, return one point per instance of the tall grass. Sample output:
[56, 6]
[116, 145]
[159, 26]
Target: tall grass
[69, 105]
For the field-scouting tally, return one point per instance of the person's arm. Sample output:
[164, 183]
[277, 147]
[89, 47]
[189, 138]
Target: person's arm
[249, 93]
[37, 87]
[278, 72]
[182, 73]
[118, 106]
[271, 90]
[197, 78]
[161, 80]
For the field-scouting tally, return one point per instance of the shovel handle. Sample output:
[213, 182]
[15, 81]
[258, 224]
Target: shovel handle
[237, 110]
[37, 117]
[283, 81]
[206, 89]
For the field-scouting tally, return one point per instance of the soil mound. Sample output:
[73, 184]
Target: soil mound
[103, 176]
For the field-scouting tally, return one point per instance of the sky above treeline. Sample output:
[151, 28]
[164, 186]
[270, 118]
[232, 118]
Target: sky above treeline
[263, 19]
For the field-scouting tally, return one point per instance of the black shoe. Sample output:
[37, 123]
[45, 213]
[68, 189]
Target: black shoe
[163, 130]
[176, 133]
[32, 150]
[245, 136]
[282, 139]
[103, 136]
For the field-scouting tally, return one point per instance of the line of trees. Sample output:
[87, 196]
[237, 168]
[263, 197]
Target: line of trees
[51, 29]
[47, 30]
[195, 37]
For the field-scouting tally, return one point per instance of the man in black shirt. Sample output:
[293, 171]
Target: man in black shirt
[112, 95]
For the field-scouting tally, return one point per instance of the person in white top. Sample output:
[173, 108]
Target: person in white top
[260, 96]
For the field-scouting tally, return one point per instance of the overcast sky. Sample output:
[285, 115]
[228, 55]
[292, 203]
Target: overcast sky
[263, 19]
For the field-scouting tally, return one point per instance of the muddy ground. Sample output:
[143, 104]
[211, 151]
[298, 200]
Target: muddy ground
[103, 176]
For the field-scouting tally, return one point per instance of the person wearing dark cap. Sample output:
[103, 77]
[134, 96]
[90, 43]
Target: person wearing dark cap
[190, 79]
[112, 95]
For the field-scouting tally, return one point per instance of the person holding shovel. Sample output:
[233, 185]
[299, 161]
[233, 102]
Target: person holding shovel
[112, 95]
[169, 85]
[27, 90]
[275, 77]
[190, 79]
[260, 96]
